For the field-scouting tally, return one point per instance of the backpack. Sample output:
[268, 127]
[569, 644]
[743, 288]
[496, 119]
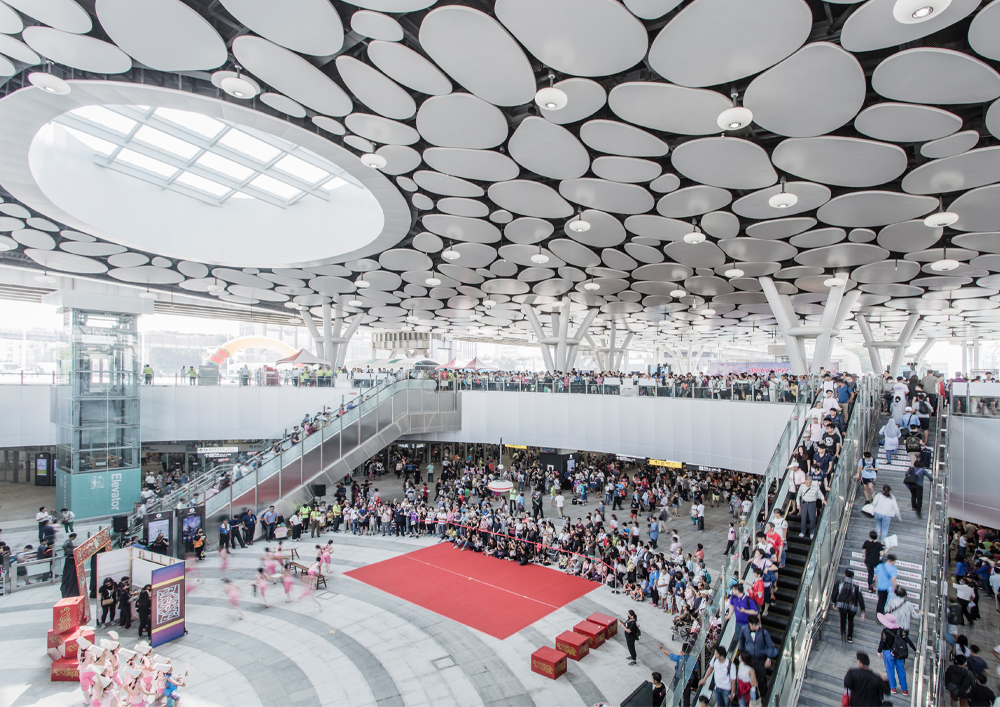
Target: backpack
[913, 443]
[847, 597]
[925, 409]
[638, 632]
[959, 687]
[910, 478]
[955, 615]
[898, 650]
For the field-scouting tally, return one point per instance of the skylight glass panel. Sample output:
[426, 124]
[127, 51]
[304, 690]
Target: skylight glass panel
[100, 115]
[148, 164]
[334, 183]
[194, 122]
[168, 143]
[310, 174]
[101, 147]
[273, 186]
[218, 163]
[240, 195]
[250, 146]
[205, 185]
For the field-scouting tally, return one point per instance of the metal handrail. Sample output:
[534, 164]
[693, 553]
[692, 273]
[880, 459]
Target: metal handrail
[934, 587]
[734, 392]
[795, 660]
[189, 490]
[795, 428]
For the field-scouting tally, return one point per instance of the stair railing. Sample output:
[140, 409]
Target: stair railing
[928, 662]
[820, 572]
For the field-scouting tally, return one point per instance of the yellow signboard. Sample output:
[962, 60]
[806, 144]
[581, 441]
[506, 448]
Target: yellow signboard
[671, 465]
[516, 446]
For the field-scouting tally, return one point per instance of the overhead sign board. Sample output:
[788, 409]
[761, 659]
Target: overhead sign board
[669, 465]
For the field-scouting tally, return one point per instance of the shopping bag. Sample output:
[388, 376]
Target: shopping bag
[869, 510]
[891, 541]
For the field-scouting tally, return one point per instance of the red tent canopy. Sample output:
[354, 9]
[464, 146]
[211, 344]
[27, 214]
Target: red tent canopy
[446, 366]
[477, 365]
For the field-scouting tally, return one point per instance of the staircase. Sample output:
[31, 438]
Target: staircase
[382, 415]
[829, 660]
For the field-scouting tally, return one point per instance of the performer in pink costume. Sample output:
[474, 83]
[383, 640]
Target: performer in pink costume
[327, 554]
[262, 581]
[287, 581]
[233, 595]
[309, 582]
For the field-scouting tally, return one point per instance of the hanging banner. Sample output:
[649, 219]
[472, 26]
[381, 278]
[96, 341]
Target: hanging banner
[669, 465]
[168, 603]
[720, 368]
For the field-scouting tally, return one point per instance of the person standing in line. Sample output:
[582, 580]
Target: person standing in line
[632, 633]
[914, 481]
[885, 581]
[806, 499]
[42, 518]
[144, 608]
[67, 519]
[873, 556]
[865, 688]
[849, 602]
[757, 643]
[885, 507]
[270, 519]
[224, 531]
[701, 515]
[107, 595]
[725, 672]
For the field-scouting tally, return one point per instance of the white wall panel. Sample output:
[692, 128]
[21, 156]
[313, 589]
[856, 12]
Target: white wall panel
[727, 434]
[973, 450]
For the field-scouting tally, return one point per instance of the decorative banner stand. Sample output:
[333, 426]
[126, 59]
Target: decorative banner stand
[500, 488]
[164, 573]
[83, 552]
[67, 627]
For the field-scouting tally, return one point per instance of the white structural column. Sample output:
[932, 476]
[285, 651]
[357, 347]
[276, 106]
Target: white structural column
[788, 322]
[836, 310]
[343, 341]
[899, 347]
[922, 353]
[686, 363]
[313, 332]
[913, 323]
[559, 348]
[328, 352]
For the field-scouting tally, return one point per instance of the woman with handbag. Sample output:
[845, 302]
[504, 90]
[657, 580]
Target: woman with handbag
[107, 593]
[746, 681]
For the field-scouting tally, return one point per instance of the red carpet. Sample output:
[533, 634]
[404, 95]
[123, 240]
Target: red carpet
[494, 596]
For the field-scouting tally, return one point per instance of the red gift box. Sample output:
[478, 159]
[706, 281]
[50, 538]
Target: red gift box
[592, 631]
[608, 623]
[548, 662]
[64, 670]
[67, 614]
[67, 646]
[574, 645]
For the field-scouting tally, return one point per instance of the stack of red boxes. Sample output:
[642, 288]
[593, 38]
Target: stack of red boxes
[67, 620]
[575, 644]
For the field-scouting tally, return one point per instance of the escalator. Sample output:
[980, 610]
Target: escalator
[381, 416]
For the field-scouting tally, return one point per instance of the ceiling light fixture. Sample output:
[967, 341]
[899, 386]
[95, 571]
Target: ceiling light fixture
[433, 280]
[451, 253]
[45, 277]
[540, 257]
[374, 161]
[591, 286]
[550, 97]
[941, 218]
[47, 82]
[911, 12]
[578, 224]
[678, 293]
[695, 236]
[736, 117]
[945, 264]
[361, 283]
[489, 303]
[708, 312]
[783, 199]
[733, 272]
[354, 303]
[834, 282]
[239, 87]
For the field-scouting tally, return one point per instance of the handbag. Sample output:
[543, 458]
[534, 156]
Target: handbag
[869, 510]
[845, 701]
[107, 602]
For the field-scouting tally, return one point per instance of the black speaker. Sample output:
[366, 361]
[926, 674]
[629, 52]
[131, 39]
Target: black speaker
[120, 524]
[318, 490]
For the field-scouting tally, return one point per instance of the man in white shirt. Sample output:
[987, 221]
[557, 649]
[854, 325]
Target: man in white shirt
[899, 388]
[701, 517]
[42, 518]
[560, 501]
[830, 403]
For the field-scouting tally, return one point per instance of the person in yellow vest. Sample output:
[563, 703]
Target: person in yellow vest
[147, 374]
[338, 516]
[305, 513]
[192, 376]
[317, 519]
